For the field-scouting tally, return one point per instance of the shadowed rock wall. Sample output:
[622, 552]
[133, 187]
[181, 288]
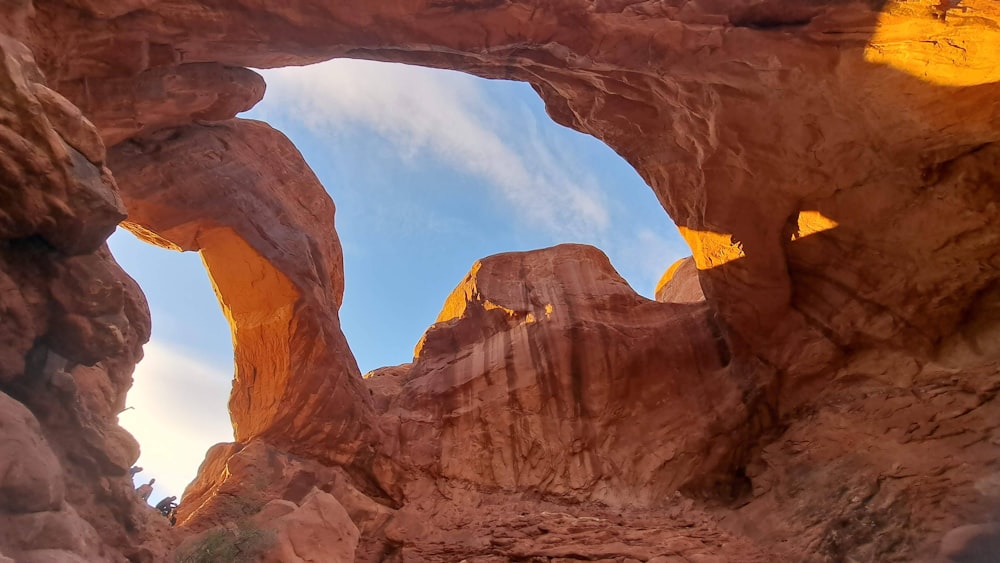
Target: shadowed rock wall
[833, 166]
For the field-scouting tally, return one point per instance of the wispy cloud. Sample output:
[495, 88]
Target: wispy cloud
[450, 117]
[466, 125]
[179, 409]
[654, 253]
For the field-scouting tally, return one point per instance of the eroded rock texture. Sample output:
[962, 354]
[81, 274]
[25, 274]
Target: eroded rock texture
[547, 372]
[833, 166]
[681, 283]
[240, 193]
[72, 330]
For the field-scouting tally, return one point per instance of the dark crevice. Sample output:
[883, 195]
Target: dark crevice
[766, 17]
[363, 478]
[768, 24]
[458, 6]
[721, 345]
[936, 172]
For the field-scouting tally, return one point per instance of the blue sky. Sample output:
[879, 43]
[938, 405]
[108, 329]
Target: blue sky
[430, 170]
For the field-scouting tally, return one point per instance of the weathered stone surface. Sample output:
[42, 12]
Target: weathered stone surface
[978, 542]
[452, 521]
[14, 16]
[258, 482]
[165, 97]
[241, 194]
[237, 480]
[891, 448]
[31, 478]
[489, 528]
[38, 521]
[205, 488]
[89, 321]
[680, 283]
[318, 530]
[745, 118]
[50, 189]
[833, 166]
[72, 329]
[545, 371]
[42, 533]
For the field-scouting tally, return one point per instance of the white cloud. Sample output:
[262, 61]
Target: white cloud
[179, 409]
[455, 119]
[449, 117]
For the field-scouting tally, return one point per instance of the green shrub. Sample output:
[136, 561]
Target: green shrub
[227, 546]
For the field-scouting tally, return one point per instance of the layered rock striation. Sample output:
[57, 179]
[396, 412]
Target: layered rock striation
[820, 385]
[681, 283]
[546, 372]
[240, 193]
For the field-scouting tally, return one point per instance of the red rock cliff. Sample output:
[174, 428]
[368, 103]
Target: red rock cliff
[832, 165]
[547, 372]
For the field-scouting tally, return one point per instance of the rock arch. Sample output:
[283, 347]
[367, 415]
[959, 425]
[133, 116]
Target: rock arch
[748, 119]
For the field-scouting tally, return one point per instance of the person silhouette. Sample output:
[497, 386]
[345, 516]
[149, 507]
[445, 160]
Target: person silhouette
[146, 490]
[164, 504]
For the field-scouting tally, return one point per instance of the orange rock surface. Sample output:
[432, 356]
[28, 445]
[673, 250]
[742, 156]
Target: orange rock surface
[681, 283]
[833, 166]
[741, 115]
[264, 226]
[547, 372]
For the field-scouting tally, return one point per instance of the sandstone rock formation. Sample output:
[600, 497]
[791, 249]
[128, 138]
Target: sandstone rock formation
[680, 283]
[240, 193]
[834, 167]
[545, 371]
[282, 532]
[73, 326]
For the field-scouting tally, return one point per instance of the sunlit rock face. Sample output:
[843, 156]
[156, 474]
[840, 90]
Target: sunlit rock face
[681, 283]
[742, 116]
[241, 193]
[832, 165]
[547, 372]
